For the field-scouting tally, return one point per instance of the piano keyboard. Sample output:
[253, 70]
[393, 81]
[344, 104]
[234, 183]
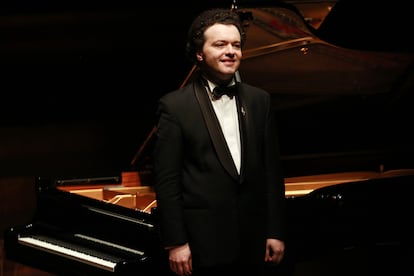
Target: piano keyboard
[71, 251]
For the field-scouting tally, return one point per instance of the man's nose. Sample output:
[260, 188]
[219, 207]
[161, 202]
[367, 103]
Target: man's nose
[230, 49]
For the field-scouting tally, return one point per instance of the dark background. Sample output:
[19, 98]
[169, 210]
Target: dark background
[80, 80]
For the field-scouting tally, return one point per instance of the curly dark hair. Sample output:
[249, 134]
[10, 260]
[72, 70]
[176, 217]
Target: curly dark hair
[207, 18]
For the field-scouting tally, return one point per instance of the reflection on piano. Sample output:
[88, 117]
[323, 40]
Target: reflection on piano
[93, 226]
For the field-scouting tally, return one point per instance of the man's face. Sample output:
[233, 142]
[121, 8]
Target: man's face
[221, 53]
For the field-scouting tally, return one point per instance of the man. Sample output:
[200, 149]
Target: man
[219, 185]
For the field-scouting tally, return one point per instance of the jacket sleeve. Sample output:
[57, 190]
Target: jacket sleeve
[274, 179]
[167, 167]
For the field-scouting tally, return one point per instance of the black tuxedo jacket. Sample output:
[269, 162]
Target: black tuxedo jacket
[201, 199]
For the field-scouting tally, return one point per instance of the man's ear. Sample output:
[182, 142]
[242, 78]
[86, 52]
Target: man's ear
[200, 56]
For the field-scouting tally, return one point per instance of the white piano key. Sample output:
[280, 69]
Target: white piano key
[69, 253]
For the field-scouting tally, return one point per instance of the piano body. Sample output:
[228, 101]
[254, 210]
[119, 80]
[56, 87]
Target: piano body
[90, 226]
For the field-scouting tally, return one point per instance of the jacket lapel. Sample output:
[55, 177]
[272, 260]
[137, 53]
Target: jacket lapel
[214, 129]
[243, 122]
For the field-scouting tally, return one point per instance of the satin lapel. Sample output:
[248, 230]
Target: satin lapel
[214, 129]
[243, 121]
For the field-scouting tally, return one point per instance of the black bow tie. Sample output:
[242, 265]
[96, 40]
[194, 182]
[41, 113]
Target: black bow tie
[224, 90]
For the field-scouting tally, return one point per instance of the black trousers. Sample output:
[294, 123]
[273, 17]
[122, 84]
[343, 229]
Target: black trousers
[241, 269]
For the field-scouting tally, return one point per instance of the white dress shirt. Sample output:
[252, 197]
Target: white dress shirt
[226, 112]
